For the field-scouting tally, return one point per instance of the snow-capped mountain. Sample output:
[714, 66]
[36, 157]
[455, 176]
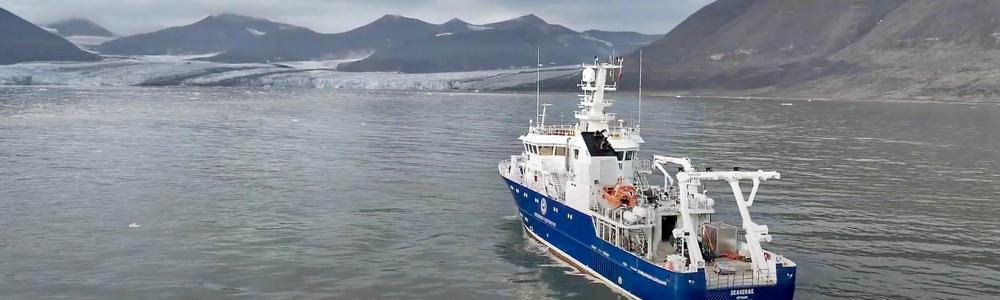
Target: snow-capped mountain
[213, 34]
[308, 45]
[390, 43]
[506, 44]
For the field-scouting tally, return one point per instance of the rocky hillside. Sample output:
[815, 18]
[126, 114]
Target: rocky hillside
[858, 49]
[23, 41]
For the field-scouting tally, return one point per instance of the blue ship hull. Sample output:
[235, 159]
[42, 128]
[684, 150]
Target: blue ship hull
[570, 234]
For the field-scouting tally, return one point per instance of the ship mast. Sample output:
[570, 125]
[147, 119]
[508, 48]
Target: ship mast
[594, 84]
[538, 81]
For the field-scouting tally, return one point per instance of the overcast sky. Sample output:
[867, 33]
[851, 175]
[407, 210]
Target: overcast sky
[331, 16]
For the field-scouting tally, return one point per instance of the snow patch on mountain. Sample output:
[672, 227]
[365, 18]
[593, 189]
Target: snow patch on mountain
[478, 27]
[256, 32]
[606, 43]
[88, 40]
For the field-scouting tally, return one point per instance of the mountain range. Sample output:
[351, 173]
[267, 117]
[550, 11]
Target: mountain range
[390, 43]
[859, 49]
[459, 46]
[24, 41]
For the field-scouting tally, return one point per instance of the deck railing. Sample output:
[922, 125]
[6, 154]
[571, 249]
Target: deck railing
[643, 166]
[504, 167]
[617, 132]
[560, 130]
[551, 184]
[737, 279]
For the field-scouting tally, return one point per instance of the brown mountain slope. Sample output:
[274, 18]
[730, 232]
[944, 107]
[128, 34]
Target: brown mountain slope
[859, 49]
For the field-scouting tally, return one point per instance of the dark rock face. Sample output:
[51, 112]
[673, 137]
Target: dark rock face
[215, 33]
[79, 27]
[23, 41]
[818, 48]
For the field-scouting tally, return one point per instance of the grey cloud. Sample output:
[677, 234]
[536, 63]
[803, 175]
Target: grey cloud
[135, 16]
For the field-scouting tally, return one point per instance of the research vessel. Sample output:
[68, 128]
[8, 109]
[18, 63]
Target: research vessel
[583, 191]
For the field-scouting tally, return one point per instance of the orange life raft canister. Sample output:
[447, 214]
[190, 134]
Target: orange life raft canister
[621, 193]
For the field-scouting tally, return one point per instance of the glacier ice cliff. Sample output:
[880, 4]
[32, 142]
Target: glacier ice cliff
[184, 71]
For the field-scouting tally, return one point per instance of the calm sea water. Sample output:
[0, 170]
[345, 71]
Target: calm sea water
[394, 195]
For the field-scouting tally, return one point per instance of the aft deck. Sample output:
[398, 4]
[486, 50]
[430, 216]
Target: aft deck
[727, 273]
[722, 272]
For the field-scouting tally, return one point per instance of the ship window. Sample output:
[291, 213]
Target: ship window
[620, 154]
[561, 151]
[534, 149]
[576, 153]
[546, 150]
[629, 155]
[526, 149]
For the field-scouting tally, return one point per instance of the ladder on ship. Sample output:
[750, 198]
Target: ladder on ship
[646, 244]
[555, 180]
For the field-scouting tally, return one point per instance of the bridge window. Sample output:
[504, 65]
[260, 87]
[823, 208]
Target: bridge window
[545, 150]
[625, 155]
[561, 151]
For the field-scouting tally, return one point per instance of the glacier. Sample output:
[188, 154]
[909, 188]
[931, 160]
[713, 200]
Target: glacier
[189, 71]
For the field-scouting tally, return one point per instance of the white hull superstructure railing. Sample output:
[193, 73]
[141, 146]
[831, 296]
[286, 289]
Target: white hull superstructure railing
[614, 132]
[552, 184]
[556, 130]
